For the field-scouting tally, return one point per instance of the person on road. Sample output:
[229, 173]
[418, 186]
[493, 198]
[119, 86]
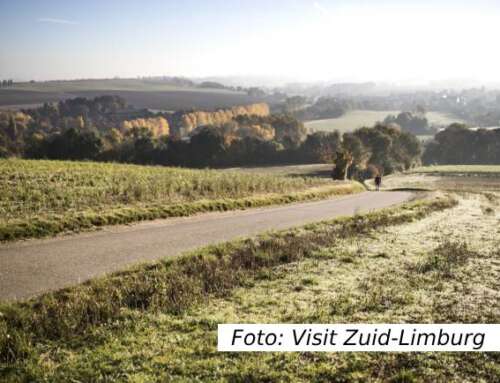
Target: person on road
[378, 181]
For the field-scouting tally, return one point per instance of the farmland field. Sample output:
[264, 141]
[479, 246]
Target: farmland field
[139, 93]
[355, 119]
[45, 197]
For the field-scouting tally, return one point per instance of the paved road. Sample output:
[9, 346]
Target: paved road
[32, 267]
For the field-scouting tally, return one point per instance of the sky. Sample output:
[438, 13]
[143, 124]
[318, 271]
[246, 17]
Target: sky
[406, 41]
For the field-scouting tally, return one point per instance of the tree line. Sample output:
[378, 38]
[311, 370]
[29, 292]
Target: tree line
[415, 123]
[106, 129]
[460, 145]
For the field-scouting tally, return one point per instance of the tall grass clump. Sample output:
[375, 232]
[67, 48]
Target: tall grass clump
[446, 258]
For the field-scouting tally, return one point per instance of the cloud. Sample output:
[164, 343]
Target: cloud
[56, 21]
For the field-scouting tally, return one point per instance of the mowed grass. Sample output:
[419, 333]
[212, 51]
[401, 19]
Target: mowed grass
[355, 119]
[39, 198]
[157, 322]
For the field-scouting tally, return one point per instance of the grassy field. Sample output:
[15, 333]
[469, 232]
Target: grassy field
[39, 198]
[355, 119]
[434, 260]
[465, 178]
[352, 120]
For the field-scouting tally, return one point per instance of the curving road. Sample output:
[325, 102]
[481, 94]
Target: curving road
[32, 267]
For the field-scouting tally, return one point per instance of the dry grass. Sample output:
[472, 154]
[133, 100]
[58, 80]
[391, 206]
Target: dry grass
[41, 198]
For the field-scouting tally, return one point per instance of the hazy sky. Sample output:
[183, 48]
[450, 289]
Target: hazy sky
[417, 40]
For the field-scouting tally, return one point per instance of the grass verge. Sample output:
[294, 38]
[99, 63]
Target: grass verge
[172, 286]
[53, 224]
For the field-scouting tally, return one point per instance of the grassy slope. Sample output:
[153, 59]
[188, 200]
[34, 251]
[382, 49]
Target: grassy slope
[40, 198]
[98, 329]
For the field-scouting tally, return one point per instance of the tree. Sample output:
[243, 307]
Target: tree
[12, 129]
[414, 123]
[458, 144]
[74, 145]
[320, 147]
[207, 147]
[343, 161]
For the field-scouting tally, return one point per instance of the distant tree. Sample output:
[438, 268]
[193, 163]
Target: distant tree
[386, 147]
[289, 131]
[342, 162]
[12, 132]
[414, 123]
[458, 144]
[211, 85]
[320, 147]
[144, 146]
[256, 92]
[74, 145]
[207, 147]
[295, 103]
[360, 153]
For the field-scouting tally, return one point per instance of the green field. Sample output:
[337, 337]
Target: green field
[40, 198]
[355, 119]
